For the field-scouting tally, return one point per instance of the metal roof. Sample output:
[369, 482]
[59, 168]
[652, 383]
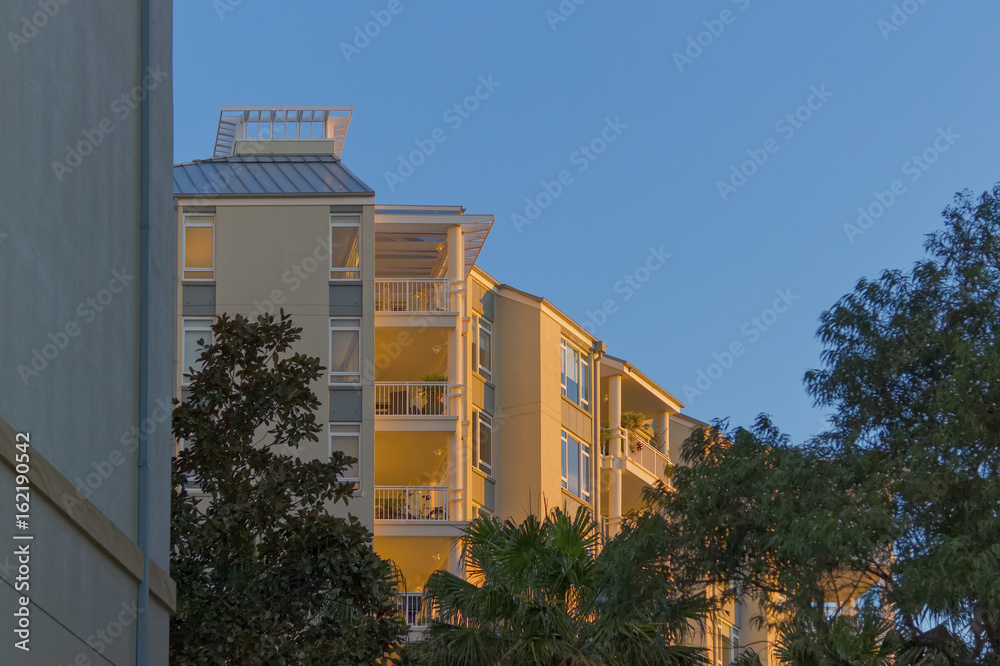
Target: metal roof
[240, 175]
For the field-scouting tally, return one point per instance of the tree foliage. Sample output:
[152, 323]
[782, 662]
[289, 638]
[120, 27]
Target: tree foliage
[539, 592]
[912, 372]
[265, 573]
[898, 503]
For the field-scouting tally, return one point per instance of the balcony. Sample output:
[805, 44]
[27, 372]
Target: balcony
[642, 457]
[645, 454]
[412, 295]
[411, 503]
[415, 610]
[412, 399]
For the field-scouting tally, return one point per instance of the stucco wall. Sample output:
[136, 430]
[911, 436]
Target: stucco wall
[261, 252]
[69, 292]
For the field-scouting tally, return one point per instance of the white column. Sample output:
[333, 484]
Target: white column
[615, 448]
[663, 432]
[457, 463]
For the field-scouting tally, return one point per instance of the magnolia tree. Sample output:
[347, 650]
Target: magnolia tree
[265, 573]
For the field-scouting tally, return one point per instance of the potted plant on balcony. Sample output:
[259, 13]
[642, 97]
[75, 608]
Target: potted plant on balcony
[634, 422]
[433, 396]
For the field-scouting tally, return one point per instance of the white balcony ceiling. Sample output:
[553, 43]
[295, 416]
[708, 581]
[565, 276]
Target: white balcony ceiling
[413, 242]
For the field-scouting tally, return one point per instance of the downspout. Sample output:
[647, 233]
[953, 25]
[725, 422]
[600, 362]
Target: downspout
[598, 350]
[145, 177]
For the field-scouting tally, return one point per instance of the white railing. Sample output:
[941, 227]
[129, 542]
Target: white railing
[411, 503]
[411, 398]
[409, 295]
[416, 610]
[645, 454]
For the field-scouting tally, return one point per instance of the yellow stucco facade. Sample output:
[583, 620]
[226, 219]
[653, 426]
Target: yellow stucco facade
[458, 394]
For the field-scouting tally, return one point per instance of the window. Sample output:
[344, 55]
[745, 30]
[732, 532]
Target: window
[575, 377]
[190, 481]
[195, 332]
[729, 644]
[484, 349]
[576, 466]
[199, 247]
[345, 247]
[345, 351]
[346, 438]
[482, 442]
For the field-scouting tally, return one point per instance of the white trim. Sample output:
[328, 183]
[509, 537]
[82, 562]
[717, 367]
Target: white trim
[344, 220]
[275, 200]
[186, 224]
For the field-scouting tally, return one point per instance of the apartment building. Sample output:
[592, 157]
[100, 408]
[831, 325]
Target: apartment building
[458, 394]
[86, 368]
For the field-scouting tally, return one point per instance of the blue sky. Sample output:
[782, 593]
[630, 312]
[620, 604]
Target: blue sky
[680, 103]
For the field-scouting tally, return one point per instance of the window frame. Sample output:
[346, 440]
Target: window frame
[208, 222]
[190, 480]
[583, 367]
[483, 324]
[344, 220]
[482, 420]
[185, 328]
[584, 462]
[333, 376]
[728, 656]
[329, 446]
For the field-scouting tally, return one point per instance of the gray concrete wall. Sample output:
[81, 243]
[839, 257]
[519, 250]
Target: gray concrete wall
[69, 242]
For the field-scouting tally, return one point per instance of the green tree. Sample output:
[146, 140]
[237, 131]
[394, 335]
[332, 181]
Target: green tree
[265, 573]
[790, 528]
[900, 496]
[912, 374]
[544, 592]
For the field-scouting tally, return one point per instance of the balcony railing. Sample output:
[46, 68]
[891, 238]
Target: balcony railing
[644, 454]
[414, 503]
[415, 609]
[411, 398]
[409, 295]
